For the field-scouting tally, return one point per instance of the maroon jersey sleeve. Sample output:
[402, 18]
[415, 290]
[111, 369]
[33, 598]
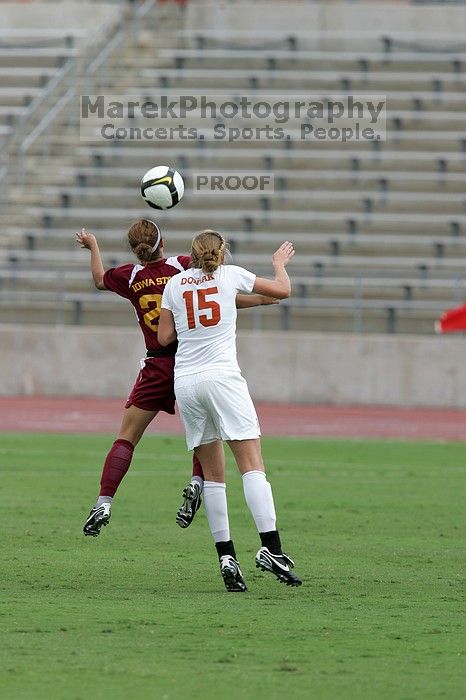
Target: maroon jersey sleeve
[185, 261]
[116, 279]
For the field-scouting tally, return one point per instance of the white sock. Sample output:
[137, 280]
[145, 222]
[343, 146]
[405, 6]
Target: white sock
[104, 499]
[215, 504]
[199, 480]
[258, 495]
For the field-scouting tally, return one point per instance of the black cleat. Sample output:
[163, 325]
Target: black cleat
[232, 576]
[191, 504]
[278, 564]
[98, 517]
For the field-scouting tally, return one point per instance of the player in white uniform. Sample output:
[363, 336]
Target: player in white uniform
[198, 308]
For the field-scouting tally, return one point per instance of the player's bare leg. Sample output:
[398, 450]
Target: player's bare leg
[258, 495]
[118, 460]
[134, 423]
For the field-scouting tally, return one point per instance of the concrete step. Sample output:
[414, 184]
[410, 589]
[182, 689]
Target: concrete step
[250, 219]
[270, 158]
[25, 77]
[317, 265]
[359, 60]
[347, 201]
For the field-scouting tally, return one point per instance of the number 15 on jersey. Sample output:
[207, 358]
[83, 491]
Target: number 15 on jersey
[201, 309]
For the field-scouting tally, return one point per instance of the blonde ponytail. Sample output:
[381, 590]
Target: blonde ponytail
[207, 250]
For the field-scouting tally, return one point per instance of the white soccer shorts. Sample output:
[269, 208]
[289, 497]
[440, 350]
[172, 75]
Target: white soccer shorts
[216, 406]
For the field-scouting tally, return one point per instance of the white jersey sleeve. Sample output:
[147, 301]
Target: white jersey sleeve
[167, 297]
[242, 280]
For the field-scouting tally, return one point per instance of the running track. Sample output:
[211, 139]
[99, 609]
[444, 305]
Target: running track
[88, 415]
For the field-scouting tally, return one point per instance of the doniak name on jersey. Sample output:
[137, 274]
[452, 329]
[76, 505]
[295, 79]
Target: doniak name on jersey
[195, 280]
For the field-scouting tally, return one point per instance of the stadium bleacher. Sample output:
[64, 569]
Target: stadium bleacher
[379, 227]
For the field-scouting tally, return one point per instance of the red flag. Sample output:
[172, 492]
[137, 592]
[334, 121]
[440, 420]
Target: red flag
[452, 320]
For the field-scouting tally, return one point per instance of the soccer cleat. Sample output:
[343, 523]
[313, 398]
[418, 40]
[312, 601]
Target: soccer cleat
[191, 504]
[99, 516]
[232, 576]
[278, 564]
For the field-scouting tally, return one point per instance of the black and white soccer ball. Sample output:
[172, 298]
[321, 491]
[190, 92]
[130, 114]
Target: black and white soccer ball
[162, 187]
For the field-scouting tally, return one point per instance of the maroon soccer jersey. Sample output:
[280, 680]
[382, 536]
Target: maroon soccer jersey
[143, 285]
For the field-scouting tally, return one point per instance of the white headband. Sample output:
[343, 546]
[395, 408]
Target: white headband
[157, 240]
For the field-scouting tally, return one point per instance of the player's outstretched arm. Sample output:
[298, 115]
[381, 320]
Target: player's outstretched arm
[247, 301]
[89, 241]
[280, 287]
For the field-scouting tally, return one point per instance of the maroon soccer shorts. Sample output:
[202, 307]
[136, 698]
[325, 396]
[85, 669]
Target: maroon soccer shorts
[153, 389]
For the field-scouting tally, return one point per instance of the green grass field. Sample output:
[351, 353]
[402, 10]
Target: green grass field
[377, 530]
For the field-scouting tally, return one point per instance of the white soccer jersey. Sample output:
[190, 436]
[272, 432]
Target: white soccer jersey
[204, 309]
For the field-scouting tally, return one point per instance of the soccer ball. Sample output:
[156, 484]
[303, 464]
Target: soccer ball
[162, 187]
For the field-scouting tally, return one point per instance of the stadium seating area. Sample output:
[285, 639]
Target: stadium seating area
[379, 227]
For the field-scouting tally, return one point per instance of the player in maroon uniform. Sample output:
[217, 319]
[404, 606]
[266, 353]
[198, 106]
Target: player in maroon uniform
[143, 285]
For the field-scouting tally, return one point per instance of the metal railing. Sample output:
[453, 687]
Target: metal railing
[85, 68]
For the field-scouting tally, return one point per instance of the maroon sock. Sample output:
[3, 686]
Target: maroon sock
[115, 467]
[197, 467]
